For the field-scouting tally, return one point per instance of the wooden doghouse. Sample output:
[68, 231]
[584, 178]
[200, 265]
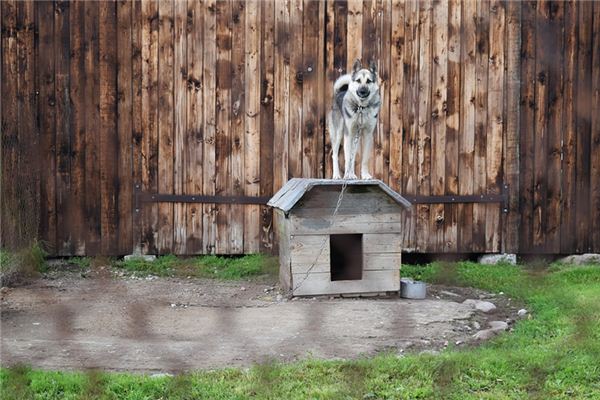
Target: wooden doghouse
[357, 251]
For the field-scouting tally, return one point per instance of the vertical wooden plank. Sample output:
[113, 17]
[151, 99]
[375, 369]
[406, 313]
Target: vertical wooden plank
[194, 134]
[26, 175]
[481, 121]
[382, 134]
[252, 135]
[109, 186]
[209, 223]
[267, 123]
[238, 124]
[136, 117]
[92, 123]
[584, 110]
[397, 96]
[595, 140]
[466, 143]
[453, 128]
[528, 104]
[63, 134]
[281, 93]
[165, 123]
[410, 112]
[354, 32]
[511, 220]
[354, 46]
[223, 119]
[180, 77]
[439, 90]
[47, 104]
[76, 93]
[553, 171]
[495, 123]
[311, 136]
[296, 78]
[542, 59]
[331, 75]
[125, 85]
[423, 234]
[150, 43]
[10, 130]
[569, 138]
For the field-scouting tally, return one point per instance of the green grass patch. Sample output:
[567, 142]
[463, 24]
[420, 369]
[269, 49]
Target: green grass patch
[554, 354]
[22, 264]
[217, 267]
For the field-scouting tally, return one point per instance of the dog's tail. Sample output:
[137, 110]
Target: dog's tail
[341, 84]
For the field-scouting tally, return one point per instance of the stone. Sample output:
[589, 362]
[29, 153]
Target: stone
[493, 259]
[485, 334]
[476, 325]
[483, 306]
[522, 312]
[580, 259]
[145, 257]
[498, 325]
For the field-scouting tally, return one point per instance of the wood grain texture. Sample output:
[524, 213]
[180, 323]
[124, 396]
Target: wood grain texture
[125, 124]
[47, 103]
[194, 135]
[252, 143]
[595, 139]
[466, 146]
[475, 94]
[180, 79]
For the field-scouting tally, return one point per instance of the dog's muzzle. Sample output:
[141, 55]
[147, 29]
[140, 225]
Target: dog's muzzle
[363, 92]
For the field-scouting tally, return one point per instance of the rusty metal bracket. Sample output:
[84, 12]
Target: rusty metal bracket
[472, 198]
[143, 197]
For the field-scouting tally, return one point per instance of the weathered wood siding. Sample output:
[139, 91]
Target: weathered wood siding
[229, 98]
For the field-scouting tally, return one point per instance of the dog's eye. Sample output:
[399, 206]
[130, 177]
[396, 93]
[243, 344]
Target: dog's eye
[369, 81]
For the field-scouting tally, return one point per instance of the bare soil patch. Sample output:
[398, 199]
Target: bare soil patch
[78, 321]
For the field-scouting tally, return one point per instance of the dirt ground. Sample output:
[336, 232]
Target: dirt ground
[151, 325]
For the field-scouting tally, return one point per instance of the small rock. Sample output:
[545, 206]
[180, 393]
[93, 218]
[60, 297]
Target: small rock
[35, 323]
[446, 343]
[498, 325]
[522, 312]
[579, 259]
[458, 342]
[161, 375]
[173, 304]
[485, 334]
[145, 257]
[279, 297]
[242, 288]
[447, 293]
[493, 259]
[476, 325]
[484, 306]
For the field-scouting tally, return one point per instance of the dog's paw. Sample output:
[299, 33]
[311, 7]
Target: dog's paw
[366, 176]
[336, 176]
[350, 176]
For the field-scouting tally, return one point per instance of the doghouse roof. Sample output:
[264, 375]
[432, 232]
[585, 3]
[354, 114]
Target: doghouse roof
[296, 188]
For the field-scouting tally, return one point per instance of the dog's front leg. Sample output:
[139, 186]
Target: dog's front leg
[336, 138]
[350, 147]
[367, 147]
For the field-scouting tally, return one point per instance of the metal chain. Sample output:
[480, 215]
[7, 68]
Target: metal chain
[322, 247]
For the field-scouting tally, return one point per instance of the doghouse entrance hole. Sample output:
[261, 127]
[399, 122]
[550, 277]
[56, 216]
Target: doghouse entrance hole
[346, 257]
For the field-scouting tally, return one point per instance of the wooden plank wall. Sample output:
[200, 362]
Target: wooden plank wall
[229, 98]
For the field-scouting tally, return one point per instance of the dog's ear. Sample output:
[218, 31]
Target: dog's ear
[357, 65]
[373, 67]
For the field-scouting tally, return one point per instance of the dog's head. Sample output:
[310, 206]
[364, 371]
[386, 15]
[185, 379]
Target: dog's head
[364, 81]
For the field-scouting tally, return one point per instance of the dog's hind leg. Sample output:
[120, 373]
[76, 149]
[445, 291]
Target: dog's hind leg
[367, 148]
[336, 133]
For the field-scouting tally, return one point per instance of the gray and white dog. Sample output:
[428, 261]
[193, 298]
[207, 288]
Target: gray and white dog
[356, 104]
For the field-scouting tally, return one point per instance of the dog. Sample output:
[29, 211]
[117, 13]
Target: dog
[356, 104]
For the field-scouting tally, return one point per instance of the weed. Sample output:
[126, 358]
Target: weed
[232, 268]
[162, 266]
[81, 262]
[21, 265]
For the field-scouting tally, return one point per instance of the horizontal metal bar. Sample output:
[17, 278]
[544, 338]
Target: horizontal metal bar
[185, 198]
[433, 199]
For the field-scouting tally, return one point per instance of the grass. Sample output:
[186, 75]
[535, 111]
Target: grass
[555, 354]
[22, 264]
[225, 268]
